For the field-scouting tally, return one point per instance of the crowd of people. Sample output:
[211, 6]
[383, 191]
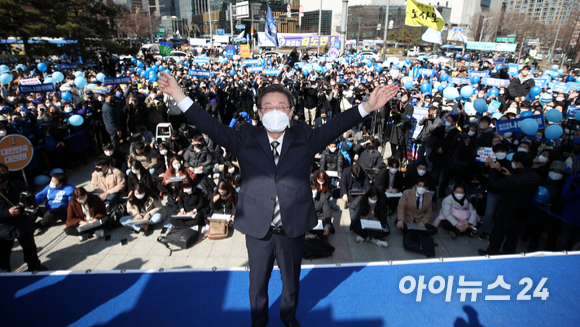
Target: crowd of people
[137, 163]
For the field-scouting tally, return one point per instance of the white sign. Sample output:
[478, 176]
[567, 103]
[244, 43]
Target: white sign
[30, 81]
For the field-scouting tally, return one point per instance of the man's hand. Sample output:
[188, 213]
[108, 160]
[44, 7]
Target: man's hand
[104, 195]
[421, 224]
[168, 85]
[181, 212]
[505, 171]
[345, 198]
[199, 169]
[147, 217]
[138, 217]
[495, 165]
[379, 97]
[216, 198]
[400, 224]
[119, 133]
[326, 231]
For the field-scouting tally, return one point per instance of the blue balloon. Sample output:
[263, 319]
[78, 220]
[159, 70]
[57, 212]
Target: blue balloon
[76, 120]
[542, 195]
[493, 91]
[41, 66]
[49, 80]
[58, 76]
[233, 72]
[526, 113]
[101, 77]
[80, 82]
[5, 79]
[480, 105]
[510, 156]
[475, 79]
[153, 78]
[139, 64]
[186, 63]
[545, 98]
[440, 88]
[555, 74]
[450, 93]
[408, 61]
[56, 170]
[79, 74]
[66, 96]
[41, 180]
[554, 115]
[378, 68]
[133, 60]
[535, 91]
[529, 126]
[553, 131]
[408, 85]
[425, 87]
[467, 91]
[444, 77]
[56, 67]
[560, 71]
[555, 67]
[577, 79]
[161, 68]
[154, 68]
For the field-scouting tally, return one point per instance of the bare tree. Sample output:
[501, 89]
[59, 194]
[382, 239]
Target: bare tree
[136, 23]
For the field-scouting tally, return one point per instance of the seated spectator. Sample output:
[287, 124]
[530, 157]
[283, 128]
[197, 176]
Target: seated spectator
[116, 157]
[146, 155]
[371, 158]
[191, 202]
[321, 120]
[390, 179]
[177, 143]
[369, 207]
[143, 204]
[420, 170]
[321, 196]
[355, 179]
[458, 215]
[164, 159]
[331, 159]
[416, 206]
[172, 188]
[224, 201]
[86, 208]
[149, 138]
[107, 182]
[197, 158]
[231, 174]
[138, 174]
[56, 197]
[477, 194]
[222, 155]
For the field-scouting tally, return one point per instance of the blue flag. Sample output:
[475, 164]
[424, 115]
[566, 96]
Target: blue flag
[270, 28]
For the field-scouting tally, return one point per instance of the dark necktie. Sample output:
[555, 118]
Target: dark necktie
[418, 202]
[276, 219]
[275, 153]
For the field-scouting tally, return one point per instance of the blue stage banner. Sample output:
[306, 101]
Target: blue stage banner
[117, 80]
[254, 69]
[513, 125]
[68, 66]
[272, 71]
[459, 80]
[541, 82]
[484, 73]
[200, 73]
[495, 82]
[38, 88]
[250, 62]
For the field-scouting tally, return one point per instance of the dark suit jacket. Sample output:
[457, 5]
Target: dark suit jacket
[111, 117]
[262, 180]
[346, 182]
[382, 181]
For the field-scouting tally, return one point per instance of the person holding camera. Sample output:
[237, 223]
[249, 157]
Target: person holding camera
[16, 222]
[426, 140]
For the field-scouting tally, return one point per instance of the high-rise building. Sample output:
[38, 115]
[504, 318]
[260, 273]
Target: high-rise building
[548, 12]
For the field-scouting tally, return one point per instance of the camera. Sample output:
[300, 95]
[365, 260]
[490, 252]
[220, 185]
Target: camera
[23, 203]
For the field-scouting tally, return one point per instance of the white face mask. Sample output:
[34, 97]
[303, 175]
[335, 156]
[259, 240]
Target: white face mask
[163, 152]
[68, 109]
[332, 150]
[421, 190]
[101, 99]
[231, 170]
[371, 201]
[559, 99]
[471, 133]
[522, 150]
[500, 155]
[421, 172]
[458, 196]
[108, 153]
[393, 170]
[448, 123]
[135, 171]
[254, 123]
[187, 190]
[501, 92]
[140, 196]
[555, 176]
[52, 185]
[275, 121]
[508, 134]
[82, 201]
[513, 165]
[176, 166]
[479, 95]
[542, 159]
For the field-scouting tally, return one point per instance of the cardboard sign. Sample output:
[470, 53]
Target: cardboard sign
[495, 82]
[117, 80]
[38, 88]
[483, 153]
[30, 81]
[513, 125]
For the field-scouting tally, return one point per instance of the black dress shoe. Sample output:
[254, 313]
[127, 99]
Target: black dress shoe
[482, 252]
[293, 324]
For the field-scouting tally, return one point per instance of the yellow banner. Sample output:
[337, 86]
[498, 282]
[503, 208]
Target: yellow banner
[245, 51]
[420, 14]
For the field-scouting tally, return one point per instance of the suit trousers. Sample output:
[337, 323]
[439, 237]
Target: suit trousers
[501, 231]
[310, 116]
[261, 255]
[28, 247]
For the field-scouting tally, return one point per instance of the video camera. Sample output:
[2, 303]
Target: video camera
[23, 203]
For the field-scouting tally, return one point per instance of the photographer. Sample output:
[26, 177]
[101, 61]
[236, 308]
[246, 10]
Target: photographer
[431, 121]
[16, 223]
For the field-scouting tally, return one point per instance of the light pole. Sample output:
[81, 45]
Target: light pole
[210, 30]
[319, 22]
[386, 30]
[483, 24]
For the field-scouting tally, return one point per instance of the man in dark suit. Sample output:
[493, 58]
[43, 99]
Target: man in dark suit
[112, 119]
[275, 207]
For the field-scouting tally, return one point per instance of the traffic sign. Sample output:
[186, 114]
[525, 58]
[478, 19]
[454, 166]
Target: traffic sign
[241, 27]
[301, 10]
[288, 8]
[219, 31]
[16, 151]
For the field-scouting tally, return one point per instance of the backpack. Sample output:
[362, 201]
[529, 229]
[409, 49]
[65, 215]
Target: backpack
[117, 212]
[317, 247]
[183, 238]
[422, 244]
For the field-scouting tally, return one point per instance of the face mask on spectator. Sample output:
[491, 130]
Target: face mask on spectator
[458, 196]
[52, 185]
[135, 171]
[479, 95]
[559, 99]
[500, 155]
[542, 159]
[187, 190]
[163, 152]
[514, 165]
[555, 176]
[231, 170]
[508, 134]
[176, 166]
[421, 190]
[421, 172]
[223, 193]
[483, 126]
[471, 133]
[393, 170]
[333, 149]
[448, 123]
[83, 200]
[140, 196]
[371, 201]
[522, 150]
[68, 109]
[101, 99]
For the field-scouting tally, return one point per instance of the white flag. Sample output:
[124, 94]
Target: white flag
[241, 35]
[462, 38]
[432, 35]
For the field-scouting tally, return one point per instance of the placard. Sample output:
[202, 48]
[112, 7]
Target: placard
[16, 151]
[117, 80]
[513, 125]
[200, 73]
[497, 82]
[38, 88]
[483, 153]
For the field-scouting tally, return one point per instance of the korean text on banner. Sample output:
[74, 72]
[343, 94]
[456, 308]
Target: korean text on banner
[117, 80]
[420, 14]
[38, 88]
[513, 125]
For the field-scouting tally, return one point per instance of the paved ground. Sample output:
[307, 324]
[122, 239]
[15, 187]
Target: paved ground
[60, 252]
